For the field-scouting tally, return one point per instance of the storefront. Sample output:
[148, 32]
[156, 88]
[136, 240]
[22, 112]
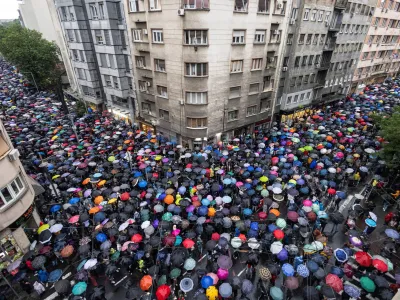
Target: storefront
[122, 115]
[263, 124]
[291, 116]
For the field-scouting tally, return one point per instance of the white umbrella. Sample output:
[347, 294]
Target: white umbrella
[253, 243]
[369, 150]
[332, 170]
[373, 216]
[145, 224]
[123, 226]
[90, 263]
[56, 228]
[261, 145]
[277, 190]
[317, 245]
[276, 247]
[349, 170]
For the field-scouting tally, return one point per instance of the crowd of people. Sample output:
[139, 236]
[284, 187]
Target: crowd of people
[178, 221]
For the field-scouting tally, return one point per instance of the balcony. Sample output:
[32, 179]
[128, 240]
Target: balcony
[330, 46]
[92, 99]
[335, 26]
[340, 4]
[324, 65]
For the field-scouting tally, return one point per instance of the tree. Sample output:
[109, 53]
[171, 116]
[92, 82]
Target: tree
[31, 53]
[80, 108]
[389, 130]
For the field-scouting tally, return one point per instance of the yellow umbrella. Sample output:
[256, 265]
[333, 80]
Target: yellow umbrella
[112, 200]
[158, 157]
[101, 183]
[263, 178]
[55, 177]
[212, 293]
[111, 158]
[43, 228]
[293, 181]
[54, 137]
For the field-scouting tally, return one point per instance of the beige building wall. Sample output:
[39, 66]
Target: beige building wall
[380, 55]
[226, 109]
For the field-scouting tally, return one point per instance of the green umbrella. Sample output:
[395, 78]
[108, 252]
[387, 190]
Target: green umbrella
[79, 288]
[115, 255]
[367, 284]
[162, 280]
[295, 140]
[175, 273]
[264, 193]
[308, 148]
[276, 293]
[259, 188]
[302, 149]
[167, 217]
[189, 264]
[281, 223]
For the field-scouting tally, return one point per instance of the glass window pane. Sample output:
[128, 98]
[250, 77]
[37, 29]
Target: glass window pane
[15, 188]
[6, 194]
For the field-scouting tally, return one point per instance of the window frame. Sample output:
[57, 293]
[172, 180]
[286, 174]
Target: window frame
[157, 3]
[236, 115]
[260, 34]
[157, 34]
[162, 91]
[15, 196]
[193, 66]
[244, 8]
[196, 98]
[258, 62]
[203, 122]
[190, 41]
[156, 65]
[239, 39]
[253, 107]
[236, 70]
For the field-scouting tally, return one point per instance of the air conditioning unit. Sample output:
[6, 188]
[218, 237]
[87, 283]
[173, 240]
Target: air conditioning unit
[13, 155]
[276, 32]
[318, 65]
[181, 102]
[284, 69]
[279, 5]
[292, 21]
[148, 83]
[181, 12]
[145, 31]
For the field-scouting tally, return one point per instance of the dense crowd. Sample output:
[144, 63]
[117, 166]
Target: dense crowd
[123, 201]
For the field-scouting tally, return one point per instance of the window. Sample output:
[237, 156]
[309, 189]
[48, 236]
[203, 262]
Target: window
[236, 66]
[143, 86]
[304, 61]
[315, 39]
[196, 122]
[268, 83]
[256, 64]
[306, 14]
[265, 104]
[123, 39]
[251, 111]
[81, 73]
[82, 55]
[275, 36]
[111, 60]
[154, 5]
[134, 5]
[308, 40]
[292, 81]
[196, 4]
[116, 82]
[164, 114]
[254, 88]
[234, 92]
[146, 107]
[314, 15]
[308, 96]
[306, 78]
[299, 81]
[11, 191]
[196, 69]
[162, 91]
[312, 78]
[293, 16]
[63, 14]
[301, 39]
[233, 115]
[263, 6]
[310, 60]
[137, 35]
[140, 62]
[259, 37]
[290, 39]
[289, 100]
[107, 38]
[317, 59]
[296, 98]
[322, 40]
[101, 10]
[285, 61]
[107, 80]
[103, 60]
[320, 15]
[93, 12]
[302, 97]
[297, 61]
[99, 37]
[157, 36]
[70, 35]
[195, 37]
[130, 84]
[196, 97]
[75, 54]
[241, 5]
[238, 37]
[327, 16]
[159, 65]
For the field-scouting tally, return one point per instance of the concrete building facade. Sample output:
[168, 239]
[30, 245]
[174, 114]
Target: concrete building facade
[379, 57]
[206, 70]
[95, 33]
[17, 209]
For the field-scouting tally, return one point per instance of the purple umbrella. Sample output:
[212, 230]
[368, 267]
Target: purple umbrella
[282, 255]
[87, 193]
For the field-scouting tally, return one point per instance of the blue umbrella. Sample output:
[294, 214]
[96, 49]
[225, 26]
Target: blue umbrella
[300, 181]
[393, 234]
[304, 190]
[43, 276]
[206, 281]
[182, 190]
[323, 172]
[352, 291]
[202, 210]
[142, 184]
[74, 200]
[101, 237]
[341, 195]
[97, 175]
[205, 202]
[340, 255]
[250, 168]
[332, 184]
[337, 271]
[79, 288]
[254, 226]
[272, 227]
[303, 271]
[55, 208]
[370, 222]
[99, 217]
[247, 212]
[137, 174]
[55, 275]
[288, 269]
[312, 266]
[227, 181]
[283, 255]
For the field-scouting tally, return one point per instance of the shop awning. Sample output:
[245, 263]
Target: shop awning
[37, 188]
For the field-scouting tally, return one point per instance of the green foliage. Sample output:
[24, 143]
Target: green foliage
[80, 109]
[390, 131]
[30, 53]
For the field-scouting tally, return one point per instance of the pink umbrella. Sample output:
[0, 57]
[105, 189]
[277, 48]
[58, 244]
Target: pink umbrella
[275, 160]
[73, 219]
[214, 277]
[340, 155]
[176, 232]
[222, 274]
[307, 202]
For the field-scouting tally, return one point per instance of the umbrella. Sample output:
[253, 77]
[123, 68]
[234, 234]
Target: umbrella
[212, 293]
[62, 287]
[79, 288]
[206, 281]
[45, 236]
[225, 262]
[163, 292]
[363, 258]
[367, 284]
[265, 274]
[288, 269]
[380, 263]
[340, 255]
[54, 275]
[146, 282]
[186, 285]
[276, 247]
[352, 290]
[391, 233]
[14, 265]
[276, 293]
[225, 290]
[38, 262]
[334, 282]
[292, 283]
[247, 286]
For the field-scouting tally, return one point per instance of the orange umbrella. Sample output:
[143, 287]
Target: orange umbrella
[146, 282]
[67, 251]
[127, 141]
[94, 210]
[275, 212]
[86, 181]
[211, 212]
[101, 183]
[169, 199]
[329, 138]
[98, 200]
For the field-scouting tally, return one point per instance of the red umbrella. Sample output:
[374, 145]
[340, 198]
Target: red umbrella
[278, 234]
[334, 282]
[348, 270]
[293, 216]
[215, 236]
[163, 292]
[363, 258]
[125, 196]
[188, 243]
[379, 263]
[262, 215]
[169, 240]
[136, 238]
[331, 191]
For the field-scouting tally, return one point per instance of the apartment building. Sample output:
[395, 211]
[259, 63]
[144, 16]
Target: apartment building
[205, 69]
[95, 32]
[319, 60]
[379, 57]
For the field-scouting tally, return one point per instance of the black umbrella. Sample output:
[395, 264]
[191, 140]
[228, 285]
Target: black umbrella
[310, 293]
[125, 260]
[45, 236]
[153, 270]
[336, 217]
[98, 293]
[133, 293]
[111, 268]
[82, 275]
[386, 294]
[210, 245]
[381, 282]
[39, 262]
[328, 291]
[62, 287]
[83, 249]
[179, 256]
